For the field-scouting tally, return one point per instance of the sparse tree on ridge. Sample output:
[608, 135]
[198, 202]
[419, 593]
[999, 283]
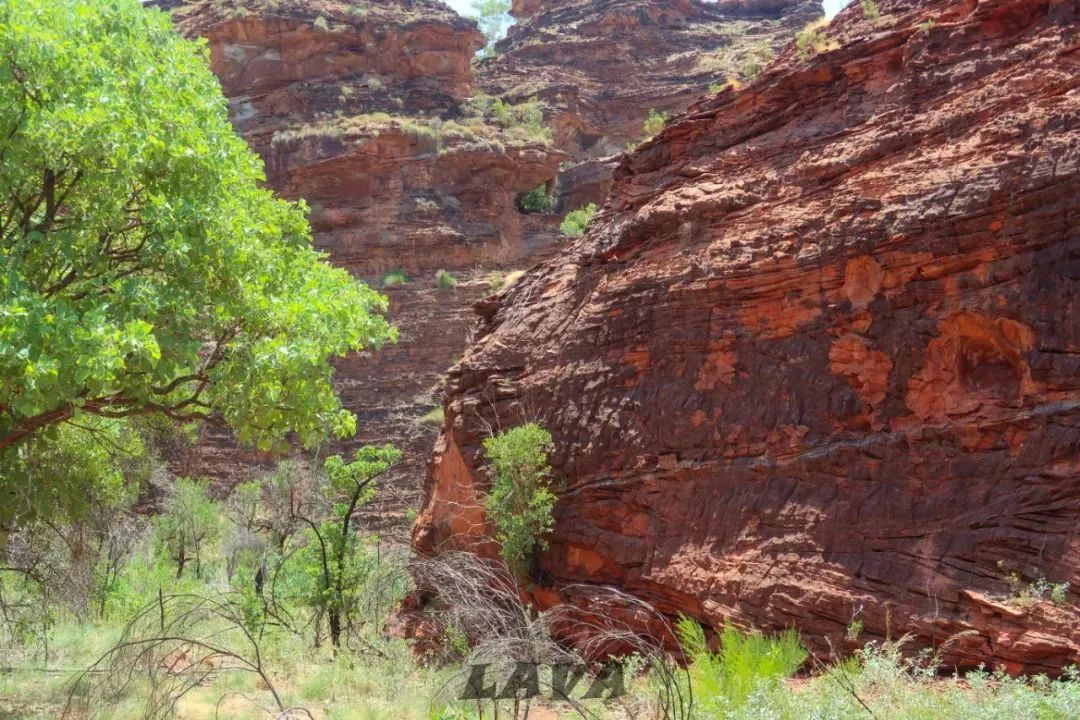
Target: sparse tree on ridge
[494, 19]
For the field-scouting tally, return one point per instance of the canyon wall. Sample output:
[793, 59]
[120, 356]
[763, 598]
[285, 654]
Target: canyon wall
[599, 67]
[364, 110]
[817, 362]
[370, 112]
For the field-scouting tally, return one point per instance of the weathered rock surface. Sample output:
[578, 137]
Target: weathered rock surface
[819, 359]
[599, 67]
[367, 110]
[363, 110]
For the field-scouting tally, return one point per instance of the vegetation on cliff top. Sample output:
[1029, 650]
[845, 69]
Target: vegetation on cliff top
[490, 123]
[493, 16]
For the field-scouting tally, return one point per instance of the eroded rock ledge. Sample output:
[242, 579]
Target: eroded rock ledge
[820, 358]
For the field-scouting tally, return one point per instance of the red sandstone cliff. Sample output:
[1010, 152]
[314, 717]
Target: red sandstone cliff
[363, 110]
[600, 66]
[368, 111]
[819, 359]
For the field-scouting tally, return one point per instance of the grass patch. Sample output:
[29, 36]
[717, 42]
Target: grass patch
[433, 417]
[395, 278]
[812, 40]
[499, 280]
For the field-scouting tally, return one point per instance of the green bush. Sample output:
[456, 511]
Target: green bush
[335, 562]
[444, 280]
[725, 681]
[654, 123]
[870, 9]
[538, 200]
[521, 501]
[395, 278]
[523, 121]
[756, 61]
[575, 222]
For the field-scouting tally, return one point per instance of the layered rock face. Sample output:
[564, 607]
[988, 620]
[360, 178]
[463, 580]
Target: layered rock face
[369, 111]
[819, 359]
[362, 109]
[599, 67]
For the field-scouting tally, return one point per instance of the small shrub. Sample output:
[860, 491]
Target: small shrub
[498, 280]
[756, 62]
[521, 501]
[444, 280]
[523, 121]
[810, 40]
[1025, 594]
[495, 281]
[433, 417]
[395, 278]
[870, 9]
[336, 562]
[726, 681]
[321, 24]
[575, 222]
[538, 200]
[654, 123]
[925, 25]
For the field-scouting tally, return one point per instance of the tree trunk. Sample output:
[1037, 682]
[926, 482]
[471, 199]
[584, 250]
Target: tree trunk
[334, 617]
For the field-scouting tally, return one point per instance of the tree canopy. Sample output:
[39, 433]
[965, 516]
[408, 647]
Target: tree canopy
[493, 17]
[143, 267]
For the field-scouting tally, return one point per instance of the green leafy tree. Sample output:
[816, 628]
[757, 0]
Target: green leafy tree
[575, 222]
[493, 17]
[143, 268]
[521, 501]
[189, 522]
[334, 557]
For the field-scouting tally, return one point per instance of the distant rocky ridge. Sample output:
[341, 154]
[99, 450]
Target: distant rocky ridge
[600, 66]
[817, 363]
